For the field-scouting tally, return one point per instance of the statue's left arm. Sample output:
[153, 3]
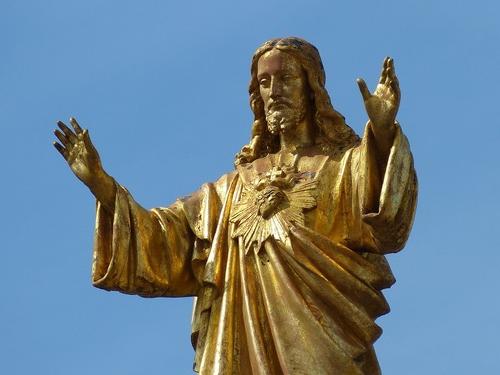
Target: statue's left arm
[387, 183]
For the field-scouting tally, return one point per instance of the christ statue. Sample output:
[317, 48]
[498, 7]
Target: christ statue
[285, 255]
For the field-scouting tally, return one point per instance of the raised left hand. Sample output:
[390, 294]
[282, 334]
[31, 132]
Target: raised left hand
[382, 106]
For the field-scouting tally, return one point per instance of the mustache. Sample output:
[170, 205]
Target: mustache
[282, 102]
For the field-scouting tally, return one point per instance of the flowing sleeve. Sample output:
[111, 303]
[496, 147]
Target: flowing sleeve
[387, 193]
[143, 252]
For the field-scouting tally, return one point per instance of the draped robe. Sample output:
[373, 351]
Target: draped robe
[304, 300]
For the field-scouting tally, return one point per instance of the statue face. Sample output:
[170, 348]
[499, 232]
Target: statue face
[283, 88]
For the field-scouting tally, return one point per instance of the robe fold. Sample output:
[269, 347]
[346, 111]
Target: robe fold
[300, 299]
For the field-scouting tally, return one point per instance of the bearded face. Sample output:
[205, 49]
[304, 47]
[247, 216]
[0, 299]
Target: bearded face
[283, 88]
[284, 117]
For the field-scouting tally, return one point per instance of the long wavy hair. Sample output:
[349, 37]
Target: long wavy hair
[331, 130]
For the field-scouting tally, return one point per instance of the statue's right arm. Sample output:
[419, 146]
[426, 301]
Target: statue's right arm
[77, 149]
[136, 251]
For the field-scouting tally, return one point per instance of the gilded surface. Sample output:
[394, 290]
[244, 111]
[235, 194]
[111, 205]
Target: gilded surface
[271, 204]
[285, 255]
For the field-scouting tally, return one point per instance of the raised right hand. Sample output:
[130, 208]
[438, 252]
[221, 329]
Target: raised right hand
[79, 152]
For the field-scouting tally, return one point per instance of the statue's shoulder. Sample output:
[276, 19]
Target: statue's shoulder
[222, 185]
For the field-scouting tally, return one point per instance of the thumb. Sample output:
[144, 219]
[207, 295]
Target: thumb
[364, 89]
[86, 139]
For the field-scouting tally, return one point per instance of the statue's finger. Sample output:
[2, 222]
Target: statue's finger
[69, 134]
[61, 150]
[387, 62]
[62, 138]
[86, 139]
[86, 136]
[75, 125]
[383, 73]
[387, 76]
[392, 70]
[364, 89]
[395, 87]
[392, 73]
[383, 76]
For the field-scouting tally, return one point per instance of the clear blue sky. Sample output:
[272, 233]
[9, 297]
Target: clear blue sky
[162, 86]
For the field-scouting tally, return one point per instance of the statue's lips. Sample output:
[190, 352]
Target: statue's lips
[279, 105]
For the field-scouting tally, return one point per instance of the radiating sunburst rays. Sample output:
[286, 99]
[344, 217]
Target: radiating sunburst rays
[287, 207]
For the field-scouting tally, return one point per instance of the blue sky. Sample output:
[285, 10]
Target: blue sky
[162, 86]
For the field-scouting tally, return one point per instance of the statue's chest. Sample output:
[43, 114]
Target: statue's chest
[276, 192]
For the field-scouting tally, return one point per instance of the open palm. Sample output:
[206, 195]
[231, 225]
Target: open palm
[78, 151]
[382, 106]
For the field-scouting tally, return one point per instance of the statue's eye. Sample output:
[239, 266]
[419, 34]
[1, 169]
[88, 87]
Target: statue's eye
[264, 82]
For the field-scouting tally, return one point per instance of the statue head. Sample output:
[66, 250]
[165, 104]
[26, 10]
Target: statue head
[329, 127]
[284, 92]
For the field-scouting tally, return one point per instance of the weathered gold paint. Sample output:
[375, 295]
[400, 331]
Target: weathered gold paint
[285, 255]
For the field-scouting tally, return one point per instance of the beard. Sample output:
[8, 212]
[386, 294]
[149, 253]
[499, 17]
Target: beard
[284, 119]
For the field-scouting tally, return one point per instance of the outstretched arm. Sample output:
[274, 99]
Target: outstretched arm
[135, 250]
[77, 149]
[382, 107]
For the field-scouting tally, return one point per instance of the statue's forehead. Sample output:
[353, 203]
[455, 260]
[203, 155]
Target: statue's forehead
[274, 61]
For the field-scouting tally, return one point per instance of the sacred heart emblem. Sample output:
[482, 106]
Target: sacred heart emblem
[271, 205]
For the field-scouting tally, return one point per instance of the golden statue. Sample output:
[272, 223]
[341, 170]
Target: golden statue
[285, 255]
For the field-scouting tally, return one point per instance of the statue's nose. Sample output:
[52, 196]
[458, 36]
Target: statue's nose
[276, 87]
